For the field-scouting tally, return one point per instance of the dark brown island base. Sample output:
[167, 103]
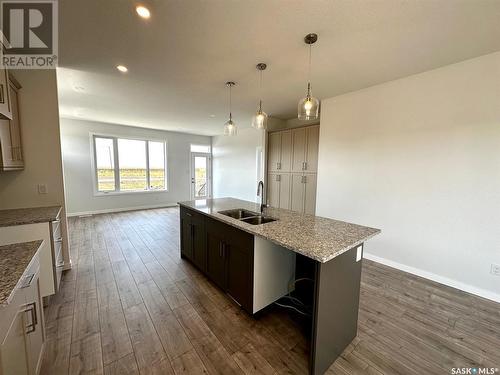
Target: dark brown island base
[256, 258]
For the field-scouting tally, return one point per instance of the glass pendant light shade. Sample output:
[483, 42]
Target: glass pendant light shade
[230, 127]
[308, 108]
[259, 121]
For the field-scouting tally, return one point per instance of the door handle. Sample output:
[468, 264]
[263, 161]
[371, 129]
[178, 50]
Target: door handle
[27, 281]
[34, 321]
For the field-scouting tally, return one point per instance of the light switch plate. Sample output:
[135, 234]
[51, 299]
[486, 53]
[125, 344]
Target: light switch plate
[495, 269]
[359, 253]
[42, 189]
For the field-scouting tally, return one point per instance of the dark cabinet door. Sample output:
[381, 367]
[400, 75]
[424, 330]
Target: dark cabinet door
[238, 249]
[239, 274]
[186, 238]
[216, 262]
[199, 247]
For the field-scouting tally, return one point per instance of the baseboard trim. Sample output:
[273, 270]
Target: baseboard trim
[121, 209]
[432, 276]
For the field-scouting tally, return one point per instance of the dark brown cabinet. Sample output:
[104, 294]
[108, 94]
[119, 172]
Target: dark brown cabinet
[216, 260]
[225, 252]
[193, 238]
[239, 271]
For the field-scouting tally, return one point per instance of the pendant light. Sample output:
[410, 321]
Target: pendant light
[308, 108]
[259, 121]
[230, 127]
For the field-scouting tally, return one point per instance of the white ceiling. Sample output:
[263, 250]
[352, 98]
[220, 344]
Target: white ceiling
[180, 59]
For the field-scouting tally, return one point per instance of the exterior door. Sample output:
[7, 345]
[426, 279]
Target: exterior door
[200, 176]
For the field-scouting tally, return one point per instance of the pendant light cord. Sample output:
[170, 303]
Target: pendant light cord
[260, 91]
[230, 103]
[309, 72]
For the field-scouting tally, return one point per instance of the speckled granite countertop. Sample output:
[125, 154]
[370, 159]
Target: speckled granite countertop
[21, 216]
[315, 237]
[14, 259]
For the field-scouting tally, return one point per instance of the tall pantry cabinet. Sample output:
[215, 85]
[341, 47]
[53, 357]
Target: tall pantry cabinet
[292, 166]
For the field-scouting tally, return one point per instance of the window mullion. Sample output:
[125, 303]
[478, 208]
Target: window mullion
[148, 177]
[117, 164]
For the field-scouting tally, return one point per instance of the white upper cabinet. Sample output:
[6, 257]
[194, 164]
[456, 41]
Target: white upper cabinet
[274, 152]
[311, 161]
[299, 149]
[5, 105]
[11, 154]
[292, 167]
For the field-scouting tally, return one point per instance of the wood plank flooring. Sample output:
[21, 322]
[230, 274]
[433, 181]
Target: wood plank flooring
[130, 305]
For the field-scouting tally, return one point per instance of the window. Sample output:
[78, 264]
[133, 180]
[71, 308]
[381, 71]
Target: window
[200, 148]
[125, 165]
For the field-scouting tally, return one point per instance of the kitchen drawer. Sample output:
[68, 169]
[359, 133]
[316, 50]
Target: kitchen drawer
[56, 230]
[192, 215]
[58, 264]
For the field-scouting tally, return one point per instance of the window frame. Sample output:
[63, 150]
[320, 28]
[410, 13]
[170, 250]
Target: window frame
[117, 191]
[200, 145]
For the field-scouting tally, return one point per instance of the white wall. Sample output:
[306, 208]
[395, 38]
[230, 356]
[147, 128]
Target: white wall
[76, 146]
[235, 164]
[420, 158]
[39, 120]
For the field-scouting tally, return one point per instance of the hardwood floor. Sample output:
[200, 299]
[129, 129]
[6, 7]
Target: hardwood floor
[130, 305]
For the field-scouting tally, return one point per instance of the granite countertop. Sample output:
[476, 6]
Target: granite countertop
[21, 216]
[14, 259]
[315, 237]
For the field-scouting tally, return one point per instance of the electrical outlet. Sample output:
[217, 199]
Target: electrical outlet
[42, 189]
[495, 269]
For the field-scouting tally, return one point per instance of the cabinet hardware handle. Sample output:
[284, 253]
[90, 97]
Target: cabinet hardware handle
[223, 249]
[220, 249]
[58, 240]
[2, 96]
[188, 214]
[27, 281]
[278, 165]
[34, 321]
[305, 165]
[60, 264]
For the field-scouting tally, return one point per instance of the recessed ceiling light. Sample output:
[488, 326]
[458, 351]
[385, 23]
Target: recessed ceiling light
[122, 68]
[79, 88]
[142, 11]
[212, 116]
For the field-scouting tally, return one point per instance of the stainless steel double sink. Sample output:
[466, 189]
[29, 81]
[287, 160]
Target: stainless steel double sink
[246, 216]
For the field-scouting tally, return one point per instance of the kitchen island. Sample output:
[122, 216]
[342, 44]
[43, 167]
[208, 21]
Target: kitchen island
[257, 259]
